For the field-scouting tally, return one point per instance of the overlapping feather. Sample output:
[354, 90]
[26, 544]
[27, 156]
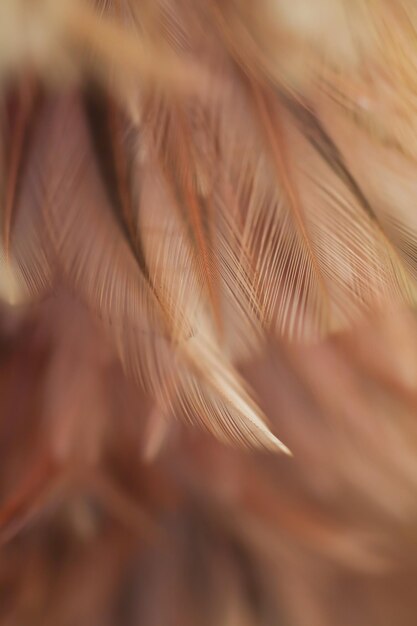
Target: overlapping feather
[191, 217]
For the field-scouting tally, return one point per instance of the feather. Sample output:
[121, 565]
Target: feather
[24, 253]
[105, 273]
[18, 136]
[188, 160]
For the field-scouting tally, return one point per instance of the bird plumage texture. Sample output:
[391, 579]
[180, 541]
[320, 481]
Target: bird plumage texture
[207, 212]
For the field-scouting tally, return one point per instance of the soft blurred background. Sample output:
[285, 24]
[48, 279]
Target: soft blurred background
[102, 524]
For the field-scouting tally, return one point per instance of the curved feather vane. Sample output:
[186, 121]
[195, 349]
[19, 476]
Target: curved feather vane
[28, 271]
[209, 386]
[189, 164]
[17, 128]
[101, 265]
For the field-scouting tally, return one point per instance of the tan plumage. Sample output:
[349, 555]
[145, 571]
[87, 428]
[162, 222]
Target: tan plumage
[217, 196]
[271, 228]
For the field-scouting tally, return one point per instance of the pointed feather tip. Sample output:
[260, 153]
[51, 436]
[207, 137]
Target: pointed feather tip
[276, 445]
[283, 448]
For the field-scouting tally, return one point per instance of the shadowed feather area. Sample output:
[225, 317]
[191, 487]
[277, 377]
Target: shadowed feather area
[207, 218]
